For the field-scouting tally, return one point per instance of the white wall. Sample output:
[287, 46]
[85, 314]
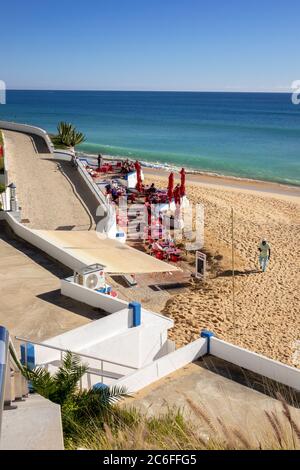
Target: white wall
[164, 366]
[262, 365]
[100, 197]
[36, 240]
[91, 185]
[90, 297]
[85, 336]
[110, 339]
[27, 129]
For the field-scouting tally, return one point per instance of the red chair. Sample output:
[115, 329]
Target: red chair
[159, 255]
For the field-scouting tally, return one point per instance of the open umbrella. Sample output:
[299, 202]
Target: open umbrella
[138, 168]
[171, 186]
[182, 182]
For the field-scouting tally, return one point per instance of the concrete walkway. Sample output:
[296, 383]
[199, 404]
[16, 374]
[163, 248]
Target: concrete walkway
[31, 304]
[44, 193]
[215, 389]
[35, 424]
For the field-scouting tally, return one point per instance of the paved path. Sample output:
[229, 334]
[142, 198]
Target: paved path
[31, 304]
[216, 389]
[44, 193]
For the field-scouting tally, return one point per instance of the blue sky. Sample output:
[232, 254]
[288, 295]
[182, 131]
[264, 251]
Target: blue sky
[150, 44]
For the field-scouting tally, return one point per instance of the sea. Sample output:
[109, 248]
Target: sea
[245, 135]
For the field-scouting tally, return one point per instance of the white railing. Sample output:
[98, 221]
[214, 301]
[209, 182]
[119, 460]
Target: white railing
[98, 372]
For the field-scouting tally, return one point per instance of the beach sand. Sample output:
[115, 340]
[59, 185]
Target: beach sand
[266, 318]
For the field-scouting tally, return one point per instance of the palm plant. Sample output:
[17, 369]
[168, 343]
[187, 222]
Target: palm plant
[67, 135]
[77, 406]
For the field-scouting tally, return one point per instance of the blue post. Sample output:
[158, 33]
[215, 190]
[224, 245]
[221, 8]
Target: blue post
[3, 335]
[3, 362]
[207, 334]
[136, 313]
[100, 386]
[27, 355]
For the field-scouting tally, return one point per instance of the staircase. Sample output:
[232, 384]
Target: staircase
[27, 422]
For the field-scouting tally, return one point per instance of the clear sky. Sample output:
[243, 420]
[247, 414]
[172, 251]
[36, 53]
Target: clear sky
[150, 44]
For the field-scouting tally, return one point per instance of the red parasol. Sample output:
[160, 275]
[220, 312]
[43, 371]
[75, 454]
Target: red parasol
[138, 168]
[171, 186]
[182, 183]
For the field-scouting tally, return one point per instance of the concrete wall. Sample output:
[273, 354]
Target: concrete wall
[91, 185]
[27, 129]
[90, 297]
[35, 239]
[85, 336]
[164, 366]
[108, 209]
[257, 363]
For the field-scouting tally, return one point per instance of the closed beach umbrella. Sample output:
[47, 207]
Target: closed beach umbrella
[182, 182]
[171, 186]
[138, 168]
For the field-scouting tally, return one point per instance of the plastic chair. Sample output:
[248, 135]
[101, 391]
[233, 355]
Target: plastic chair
[174, 258]
[159, 255]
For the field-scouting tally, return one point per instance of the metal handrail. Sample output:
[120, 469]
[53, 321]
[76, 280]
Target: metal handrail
[74, 352]
[14, 356]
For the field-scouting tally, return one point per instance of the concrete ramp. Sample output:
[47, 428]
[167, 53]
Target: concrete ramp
[117, 257]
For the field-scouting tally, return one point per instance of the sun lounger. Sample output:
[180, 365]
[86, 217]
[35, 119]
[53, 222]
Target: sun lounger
[130, 281]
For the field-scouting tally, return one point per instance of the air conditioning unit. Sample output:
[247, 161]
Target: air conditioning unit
[92, 277]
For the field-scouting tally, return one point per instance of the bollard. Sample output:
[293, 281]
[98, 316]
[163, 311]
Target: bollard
[136, 313]
[207, 334]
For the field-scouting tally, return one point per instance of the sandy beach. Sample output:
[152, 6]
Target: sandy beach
[266, 318]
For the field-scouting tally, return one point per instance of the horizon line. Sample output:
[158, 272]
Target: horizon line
[149, 91]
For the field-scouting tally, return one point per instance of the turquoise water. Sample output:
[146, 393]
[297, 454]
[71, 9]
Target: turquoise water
[252, 135]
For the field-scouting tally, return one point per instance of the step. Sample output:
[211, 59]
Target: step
[34, 425]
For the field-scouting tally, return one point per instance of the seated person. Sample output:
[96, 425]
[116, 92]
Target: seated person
[126, 166]
[114, 194]
[108, 188]
[152, 189]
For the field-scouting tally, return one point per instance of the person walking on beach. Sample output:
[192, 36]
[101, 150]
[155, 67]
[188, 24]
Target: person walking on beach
[99, 161]
[264, 254]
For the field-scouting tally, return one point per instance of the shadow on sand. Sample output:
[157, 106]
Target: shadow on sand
[247, 272]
